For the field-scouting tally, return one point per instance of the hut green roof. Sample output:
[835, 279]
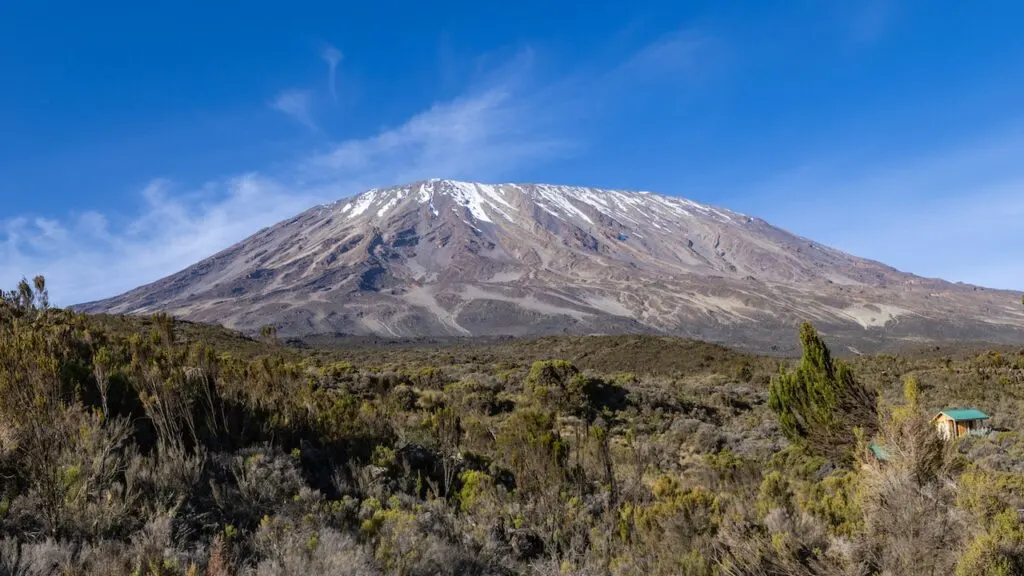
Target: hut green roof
[964, 414]
[879, 451]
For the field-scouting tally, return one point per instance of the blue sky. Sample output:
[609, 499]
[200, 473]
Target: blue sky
[136, 139]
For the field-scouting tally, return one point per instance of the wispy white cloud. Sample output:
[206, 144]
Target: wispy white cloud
[489, 133]
[332, 56]
[92, 255]
[671, 53]
[483, 135]
[508, 121]
[297, 104]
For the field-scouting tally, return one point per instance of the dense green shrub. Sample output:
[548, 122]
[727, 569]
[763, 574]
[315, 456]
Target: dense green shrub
[820, 403]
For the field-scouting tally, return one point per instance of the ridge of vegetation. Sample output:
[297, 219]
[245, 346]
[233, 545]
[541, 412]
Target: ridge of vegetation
[150, 446]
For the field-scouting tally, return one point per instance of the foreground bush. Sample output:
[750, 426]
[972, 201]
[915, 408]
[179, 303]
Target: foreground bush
[137, 448]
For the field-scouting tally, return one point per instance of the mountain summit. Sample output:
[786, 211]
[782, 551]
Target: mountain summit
[449, 258]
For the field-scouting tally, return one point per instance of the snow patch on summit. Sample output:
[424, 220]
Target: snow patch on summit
[424, 193]
[476, 197]
[577, 204]
[467, 195]
[388, 206]
[364, 201]
[558, 198]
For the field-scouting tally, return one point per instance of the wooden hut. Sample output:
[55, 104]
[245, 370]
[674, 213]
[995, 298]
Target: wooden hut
[956, 423]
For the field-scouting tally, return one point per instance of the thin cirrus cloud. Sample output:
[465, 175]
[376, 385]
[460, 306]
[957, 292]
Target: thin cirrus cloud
[488, 133]
[296, 104]
[670, 53]
[484, 134]
[332, 56]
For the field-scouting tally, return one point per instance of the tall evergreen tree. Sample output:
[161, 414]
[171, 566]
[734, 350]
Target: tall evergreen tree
[820, 402]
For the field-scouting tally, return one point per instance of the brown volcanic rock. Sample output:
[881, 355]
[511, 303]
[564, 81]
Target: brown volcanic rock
[445, 258]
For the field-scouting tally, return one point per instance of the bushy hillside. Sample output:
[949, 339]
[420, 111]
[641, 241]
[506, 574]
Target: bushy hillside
[149, 446]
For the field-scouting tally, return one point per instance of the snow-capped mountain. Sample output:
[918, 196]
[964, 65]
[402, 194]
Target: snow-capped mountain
[447, 258]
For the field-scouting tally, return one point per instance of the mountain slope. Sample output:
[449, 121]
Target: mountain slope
[446, 258]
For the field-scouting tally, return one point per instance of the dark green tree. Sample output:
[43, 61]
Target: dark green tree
[820, 403]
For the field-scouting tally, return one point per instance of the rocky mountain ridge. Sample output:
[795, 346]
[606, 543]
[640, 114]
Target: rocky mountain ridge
[449, 258]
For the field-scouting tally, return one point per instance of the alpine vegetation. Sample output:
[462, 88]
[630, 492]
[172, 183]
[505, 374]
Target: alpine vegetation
[152, 446]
